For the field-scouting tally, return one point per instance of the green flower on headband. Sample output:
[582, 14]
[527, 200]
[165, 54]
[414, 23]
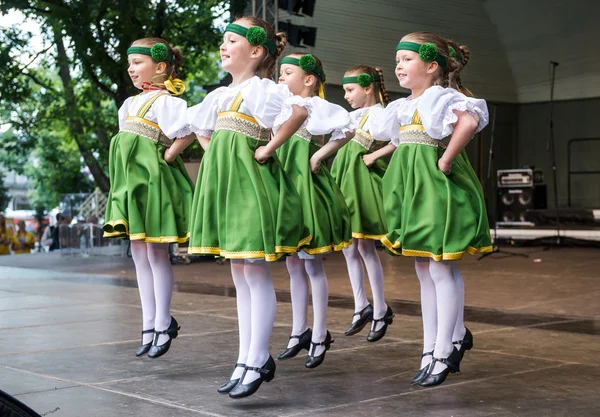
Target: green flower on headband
[452, 52]
[159, 52]
[256, 36]
[428, 52]
[308, 63]
[364, 80]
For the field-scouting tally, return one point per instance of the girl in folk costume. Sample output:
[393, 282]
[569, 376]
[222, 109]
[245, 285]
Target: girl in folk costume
[151, 192]
[245, 207]
[433, 201]
[361, 187]
[323, 206]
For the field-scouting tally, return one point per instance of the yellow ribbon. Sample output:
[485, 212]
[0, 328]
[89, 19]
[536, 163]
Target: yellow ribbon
[175, 86]
[322, 91]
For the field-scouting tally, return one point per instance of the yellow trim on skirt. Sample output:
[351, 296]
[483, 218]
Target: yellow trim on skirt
[269, 257]
[446, 256]
[141, 236]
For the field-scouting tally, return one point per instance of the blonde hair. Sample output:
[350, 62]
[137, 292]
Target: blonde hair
[172, 69]
[384, 97]
[442, 49]
[266, 67]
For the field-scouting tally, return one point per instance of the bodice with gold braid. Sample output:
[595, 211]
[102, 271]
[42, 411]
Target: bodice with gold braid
[318, 140]
[364, 138]
[235, 121]
[143, 127]
[414, 133]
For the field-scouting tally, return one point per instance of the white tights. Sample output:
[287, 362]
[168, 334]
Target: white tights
[155, 283]
[298, 269]
[365, 249]
[256, 306]
[442, 306]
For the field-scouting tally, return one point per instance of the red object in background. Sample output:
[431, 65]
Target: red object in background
[31, 223]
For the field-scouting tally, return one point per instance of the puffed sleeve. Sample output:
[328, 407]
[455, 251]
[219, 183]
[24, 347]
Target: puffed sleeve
[328, 118]
[123, 112]
[437, 106]
[270, 103]
[383, 123]
[171, 116]
[202, 117]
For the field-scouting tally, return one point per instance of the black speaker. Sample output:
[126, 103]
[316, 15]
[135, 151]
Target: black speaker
[299, 36]
[294, 6]
[513, 202]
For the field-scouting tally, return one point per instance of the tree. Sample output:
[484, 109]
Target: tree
[61, 97]
[4, 197]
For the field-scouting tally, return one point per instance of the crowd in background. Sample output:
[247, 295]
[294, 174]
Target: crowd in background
[64, 233]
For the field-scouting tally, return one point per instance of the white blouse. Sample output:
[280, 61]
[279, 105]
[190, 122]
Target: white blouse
[263, 99]
[436, 108]
[325, 118]
[167, 111]
[357, 116]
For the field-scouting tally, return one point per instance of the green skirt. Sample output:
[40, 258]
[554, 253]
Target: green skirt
[243, 209]
[430, 214]
[149, 199]
[324, 209]
[361, 187]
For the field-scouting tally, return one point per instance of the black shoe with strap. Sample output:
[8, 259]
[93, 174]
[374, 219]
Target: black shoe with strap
[465, 344]
[228, 386]
[424, 370]
[453, 365]
[303, 343]
[267, 373]
[314, 361]
[375, 335]
[157, 351]
[144, 348]
[364, 316]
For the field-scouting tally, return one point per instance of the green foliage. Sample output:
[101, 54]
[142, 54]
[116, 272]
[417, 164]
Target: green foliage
[4, 197]
[60, 97]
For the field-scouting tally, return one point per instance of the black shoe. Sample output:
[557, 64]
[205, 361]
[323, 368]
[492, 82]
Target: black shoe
[465, 344]
[424, 371]
[303, 343]
[314, 361]
[375, 335]
[453, 365]
[365, 316]
[228, 386]
[144, 348]
[157, 351]
[267, 373]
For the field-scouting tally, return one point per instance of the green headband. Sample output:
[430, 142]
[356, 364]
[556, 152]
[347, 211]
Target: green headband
[364, 79]
[427, 52]
[256, 35]
[307, 63]
[159, 52]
